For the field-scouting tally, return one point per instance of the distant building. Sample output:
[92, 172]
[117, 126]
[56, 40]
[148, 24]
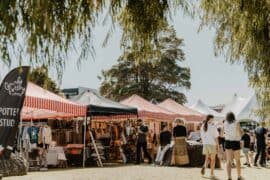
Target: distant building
[218, 107]
[71, 92]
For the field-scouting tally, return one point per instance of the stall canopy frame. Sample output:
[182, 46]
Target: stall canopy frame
[100, 106]
[147, 110]
[188, 114]
[42, 104]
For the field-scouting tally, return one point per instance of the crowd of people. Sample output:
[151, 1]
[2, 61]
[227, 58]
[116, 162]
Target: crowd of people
[227, 142]
[177, 146]
[223, 140]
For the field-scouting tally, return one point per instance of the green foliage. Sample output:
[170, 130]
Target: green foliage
[141, 21]
[160, 80]
[45, 31]
[243, 32]
[40, 76]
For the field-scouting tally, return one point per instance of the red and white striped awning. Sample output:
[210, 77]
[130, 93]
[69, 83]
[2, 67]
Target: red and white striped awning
[40, 103]
[188, 114]
[147, 110]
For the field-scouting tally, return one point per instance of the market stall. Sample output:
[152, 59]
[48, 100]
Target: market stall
[154, 116]
[49, 123]
[107, 122]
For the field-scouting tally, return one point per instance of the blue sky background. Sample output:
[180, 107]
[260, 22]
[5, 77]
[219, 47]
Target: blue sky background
[213, 80]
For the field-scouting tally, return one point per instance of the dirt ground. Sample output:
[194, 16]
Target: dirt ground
[142, 172]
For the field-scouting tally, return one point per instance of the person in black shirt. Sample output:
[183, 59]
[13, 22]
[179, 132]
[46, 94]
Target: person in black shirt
[180, 155]
[246, 146]
[142, 142]
[179, 130]
[261, 133]
[165, 138]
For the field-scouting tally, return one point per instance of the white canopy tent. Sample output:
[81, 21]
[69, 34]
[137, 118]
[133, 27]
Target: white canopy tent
[243, 108]
[201, 107]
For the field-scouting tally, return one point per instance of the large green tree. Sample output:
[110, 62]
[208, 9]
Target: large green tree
[156, 79]
[40, 76]
[243, 34]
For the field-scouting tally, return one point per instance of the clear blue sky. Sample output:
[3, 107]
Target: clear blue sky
[213, 80]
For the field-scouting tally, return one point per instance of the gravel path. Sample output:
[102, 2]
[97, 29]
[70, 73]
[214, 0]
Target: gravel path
[142, 172]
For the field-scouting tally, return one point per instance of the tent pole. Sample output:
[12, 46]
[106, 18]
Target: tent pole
[84, 139]
[20, 136]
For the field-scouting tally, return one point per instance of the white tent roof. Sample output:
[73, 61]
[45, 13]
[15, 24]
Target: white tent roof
[201, 107]
[236, 105]
[243, 108]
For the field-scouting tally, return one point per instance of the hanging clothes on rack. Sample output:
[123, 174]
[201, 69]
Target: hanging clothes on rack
[33, 134]
[45, 136]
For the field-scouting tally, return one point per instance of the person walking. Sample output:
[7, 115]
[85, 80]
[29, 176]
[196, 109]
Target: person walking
[261, 136]
[252, 147]
[221, 142]
[142, 142]
[209, 135]
[246, 146]
[180, 154]
[232, 134]
[165, 138]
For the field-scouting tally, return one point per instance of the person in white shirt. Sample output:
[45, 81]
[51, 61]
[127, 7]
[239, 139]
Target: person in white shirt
[232, 134]
[209, 136]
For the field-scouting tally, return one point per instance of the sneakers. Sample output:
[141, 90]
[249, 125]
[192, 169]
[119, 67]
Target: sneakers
[203, 170]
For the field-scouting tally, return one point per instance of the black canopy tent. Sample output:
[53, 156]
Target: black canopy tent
[93, 110]
[100, 106]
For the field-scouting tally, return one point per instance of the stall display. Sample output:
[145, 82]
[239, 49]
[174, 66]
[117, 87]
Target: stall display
[196, 158]
[74, 154]
[118, 139]
[53, 153]
[52, 143]
[67, 131]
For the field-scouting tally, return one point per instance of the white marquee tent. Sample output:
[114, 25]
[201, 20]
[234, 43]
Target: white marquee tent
[201, 107]
[243, 108]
